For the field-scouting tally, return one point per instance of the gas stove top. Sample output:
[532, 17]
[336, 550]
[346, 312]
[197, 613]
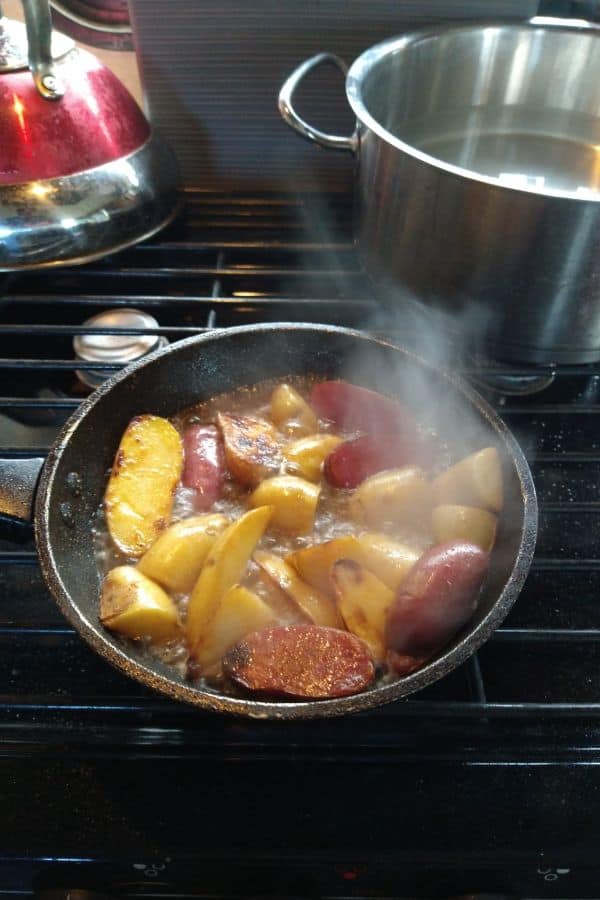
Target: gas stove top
[486, 782]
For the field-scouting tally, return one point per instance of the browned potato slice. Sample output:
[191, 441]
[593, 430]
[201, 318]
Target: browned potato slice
[290, 411]
[239, 612]
[396, 495]
[316, 607]
[363, 601]
[134, 606]
[474, 481]
[175, 559]
[386, 558]
[294, 502]
[313, 564]
[467, 523]
[223, 567]
[139, 497]
[252, 449]
[305, 457]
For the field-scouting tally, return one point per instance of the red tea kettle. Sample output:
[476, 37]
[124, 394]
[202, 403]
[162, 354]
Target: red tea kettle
[81, 171]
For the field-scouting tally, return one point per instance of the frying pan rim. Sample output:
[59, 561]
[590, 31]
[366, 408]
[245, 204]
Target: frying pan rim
[259, 709]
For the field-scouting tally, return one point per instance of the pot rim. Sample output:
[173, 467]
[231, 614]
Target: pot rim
[365, 63]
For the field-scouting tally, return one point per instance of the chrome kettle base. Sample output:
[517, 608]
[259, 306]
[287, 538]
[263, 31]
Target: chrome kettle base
[78, 218]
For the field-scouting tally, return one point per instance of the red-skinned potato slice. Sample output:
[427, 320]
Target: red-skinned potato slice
[301, 662]
[437, 598]
[351, 462]
[354, 408]
[204, 466]
[252, 449]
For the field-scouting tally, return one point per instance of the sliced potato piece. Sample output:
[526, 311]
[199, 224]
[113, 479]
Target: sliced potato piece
[135, 606]
[317, 608]
[305, 457]
[363, 601]
[223, 567]
[294, 501]
[252, 450]
[290, 411]
[313, 564]
[396, 495]
[175, 559]
[139, 496]
[474, 481]
[239, 612]
[386, 558]
[467, 523]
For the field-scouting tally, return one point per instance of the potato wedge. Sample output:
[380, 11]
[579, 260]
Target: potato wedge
[386, 558]
[290, 411]
[136, 607]
[313, 564]
[305, 457]
[223, 567]
[396, 495]
[294, 501]
[316, 607]
[139, 496]
[175, 559]
[363, 600]
[474, 481]
[252, 450]
[465, 523]
[239, 612]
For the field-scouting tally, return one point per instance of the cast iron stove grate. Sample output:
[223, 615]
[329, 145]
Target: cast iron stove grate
[530, 697]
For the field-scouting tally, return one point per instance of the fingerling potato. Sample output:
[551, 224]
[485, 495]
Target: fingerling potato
[386, 558]
[363, 600]
[176, 557]
[474, 481]
[316, 607]
[141, 488]
[465, 523]
[290, 411]
[314, 563]
[223, 567]
[397, 495]
[136, 607]
[294, 501]
[305, 457]
[252, 450]
[239, 612]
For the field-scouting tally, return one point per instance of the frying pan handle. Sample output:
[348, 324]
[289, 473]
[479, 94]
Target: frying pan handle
[39, 39]
[18, 481]
[294, 120]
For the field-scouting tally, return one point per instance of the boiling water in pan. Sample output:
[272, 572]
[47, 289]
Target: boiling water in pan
[565, 158]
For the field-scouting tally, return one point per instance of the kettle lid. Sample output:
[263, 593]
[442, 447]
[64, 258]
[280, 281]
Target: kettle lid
[14, 52]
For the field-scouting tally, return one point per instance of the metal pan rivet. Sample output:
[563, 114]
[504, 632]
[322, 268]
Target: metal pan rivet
[66, 513]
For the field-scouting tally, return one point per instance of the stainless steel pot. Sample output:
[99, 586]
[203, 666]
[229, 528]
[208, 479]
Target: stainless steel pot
[478, 179]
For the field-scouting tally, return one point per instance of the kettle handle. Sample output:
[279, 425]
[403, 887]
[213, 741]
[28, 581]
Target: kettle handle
[39, 39]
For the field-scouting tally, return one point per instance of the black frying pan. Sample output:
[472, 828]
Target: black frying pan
[73, 480]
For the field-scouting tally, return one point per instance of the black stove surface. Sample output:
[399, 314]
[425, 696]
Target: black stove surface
[488, 781]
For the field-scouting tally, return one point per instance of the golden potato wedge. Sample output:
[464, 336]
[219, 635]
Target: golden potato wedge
[290, 411]
[294, 501]
[363, 600]
[176, 557]
[396, 495]
[313, 564]
[252, 450]
[474, 481]
[140, 492]
[305, 457]
[238, 613]
[135, 606]
[467, 523]
[223, 567]
[316, 607]
[386, 558]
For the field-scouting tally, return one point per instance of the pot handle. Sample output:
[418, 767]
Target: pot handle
[289, 114]
[18, 483]
[38, 23]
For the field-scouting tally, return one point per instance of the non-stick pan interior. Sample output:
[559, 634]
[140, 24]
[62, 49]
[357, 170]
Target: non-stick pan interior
[75, 475]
